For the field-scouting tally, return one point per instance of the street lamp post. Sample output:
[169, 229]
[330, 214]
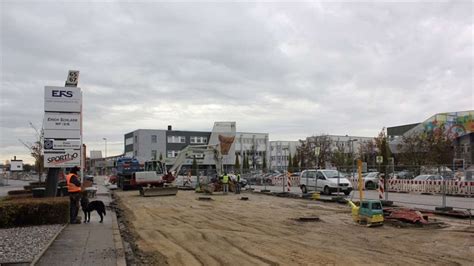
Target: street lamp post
[352, 155]
[105, 156]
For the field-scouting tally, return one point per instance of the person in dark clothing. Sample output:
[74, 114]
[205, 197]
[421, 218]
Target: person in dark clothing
[74, 189]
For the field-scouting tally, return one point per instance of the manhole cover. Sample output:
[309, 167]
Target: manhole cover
[205, 198]
[308, 219]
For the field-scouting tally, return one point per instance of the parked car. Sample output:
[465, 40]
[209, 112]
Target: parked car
[371, 180]
[325, 181]
[89, 178]
[428, 178]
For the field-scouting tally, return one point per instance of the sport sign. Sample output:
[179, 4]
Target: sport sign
[60, 159]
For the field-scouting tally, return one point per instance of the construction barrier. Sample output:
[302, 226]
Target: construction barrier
[452, 187]
[381, 188]
[291, 181]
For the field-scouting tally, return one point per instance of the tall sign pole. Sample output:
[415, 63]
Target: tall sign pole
[62, 129]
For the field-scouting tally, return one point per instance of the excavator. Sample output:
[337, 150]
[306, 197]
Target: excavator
[157, 180]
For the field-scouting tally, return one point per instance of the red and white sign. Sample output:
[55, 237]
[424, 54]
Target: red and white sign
[61, 159]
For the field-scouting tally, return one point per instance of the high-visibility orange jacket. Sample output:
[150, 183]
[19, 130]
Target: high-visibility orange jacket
[74, 184]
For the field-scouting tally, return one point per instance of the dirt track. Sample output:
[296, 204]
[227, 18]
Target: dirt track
[184, 231]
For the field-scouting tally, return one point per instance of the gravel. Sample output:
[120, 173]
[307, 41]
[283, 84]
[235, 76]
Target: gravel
[22, 244]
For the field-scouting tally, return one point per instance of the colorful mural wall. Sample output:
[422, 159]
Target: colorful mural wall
[454, 124]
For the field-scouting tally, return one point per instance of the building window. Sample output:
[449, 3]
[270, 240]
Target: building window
[153, 139]
[136, 153]
[176, 139]
[153, 154]
[199, 156]
[136, 139]
[172, 154]
[198, 140]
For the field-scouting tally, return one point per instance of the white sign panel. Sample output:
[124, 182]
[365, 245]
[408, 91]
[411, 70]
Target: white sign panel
[62, 121]
[60, 159]
[16, 165]
[52, 144]
[61, 134]
[62, 99]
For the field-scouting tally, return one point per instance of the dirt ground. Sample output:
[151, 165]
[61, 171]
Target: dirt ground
[182, 230]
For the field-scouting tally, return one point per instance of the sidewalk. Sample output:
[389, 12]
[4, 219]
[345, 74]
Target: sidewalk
[93, 243]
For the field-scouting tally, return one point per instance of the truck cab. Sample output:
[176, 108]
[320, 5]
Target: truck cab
[324, 180]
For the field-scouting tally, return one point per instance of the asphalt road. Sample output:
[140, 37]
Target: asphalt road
[12, 185]
[404, 199]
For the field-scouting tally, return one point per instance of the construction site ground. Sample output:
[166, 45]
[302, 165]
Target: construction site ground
[182, 230]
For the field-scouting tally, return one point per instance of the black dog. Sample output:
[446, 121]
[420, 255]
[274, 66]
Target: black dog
[88, 207]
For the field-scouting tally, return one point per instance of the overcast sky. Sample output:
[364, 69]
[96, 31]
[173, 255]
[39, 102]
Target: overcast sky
[291, 70]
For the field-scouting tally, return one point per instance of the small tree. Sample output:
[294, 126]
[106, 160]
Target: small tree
[264, 163]
[290, 163]
[237, 163]
[36, 150]
[194, 167]
[161, 156]
[246, 162]
[381, 143]
[295, 162]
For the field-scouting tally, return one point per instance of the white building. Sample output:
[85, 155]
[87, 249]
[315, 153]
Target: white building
[280, 152]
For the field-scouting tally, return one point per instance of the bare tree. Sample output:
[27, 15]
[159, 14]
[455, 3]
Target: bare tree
[367, 151]
[36, 150]
[306, 151]
[426, 148]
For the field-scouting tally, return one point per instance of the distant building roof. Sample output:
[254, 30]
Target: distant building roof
[400, 130]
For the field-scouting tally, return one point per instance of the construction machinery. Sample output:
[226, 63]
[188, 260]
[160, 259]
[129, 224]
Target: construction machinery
[368, 212]
[126, 168]
[157, 180]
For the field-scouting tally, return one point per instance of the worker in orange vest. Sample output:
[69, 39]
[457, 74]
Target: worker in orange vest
[74, 190]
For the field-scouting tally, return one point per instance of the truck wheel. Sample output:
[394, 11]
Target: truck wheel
[304, 190]
[369, 185]
[327, 191]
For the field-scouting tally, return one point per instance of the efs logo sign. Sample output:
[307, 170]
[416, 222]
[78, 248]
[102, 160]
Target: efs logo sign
[61, 93]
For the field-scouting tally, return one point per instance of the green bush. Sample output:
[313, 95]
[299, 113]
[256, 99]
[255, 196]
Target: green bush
[33, 211]
[30, 187]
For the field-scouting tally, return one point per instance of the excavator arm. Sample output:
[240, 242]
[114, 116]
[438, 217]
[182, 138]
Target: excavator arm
[191, 150]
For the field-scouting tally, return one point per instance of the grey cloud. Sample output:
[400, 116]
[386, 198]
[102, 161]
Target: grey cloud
[288, 69]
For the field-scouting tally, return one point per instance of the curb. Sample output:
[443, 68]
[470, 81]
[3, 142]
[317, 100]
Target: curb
[38, 257]
[119, 250]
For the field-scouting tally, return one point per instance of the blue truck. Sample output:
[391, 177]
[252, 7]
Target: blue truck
[126, 168]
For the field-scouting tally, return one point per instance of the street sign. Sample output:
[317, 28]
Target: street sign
[317, 150]
[59, 159]
[379, 159]
[72, 78]
[62, 99]
[62, 121]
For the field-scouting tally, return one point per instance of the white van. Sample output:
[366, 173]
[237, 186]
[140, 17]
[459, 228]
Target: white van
[325, 181]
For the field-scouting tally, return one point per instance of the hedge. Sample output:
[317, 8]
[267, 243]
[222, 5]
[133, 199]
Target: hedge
[19, 192]
[33, 211]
